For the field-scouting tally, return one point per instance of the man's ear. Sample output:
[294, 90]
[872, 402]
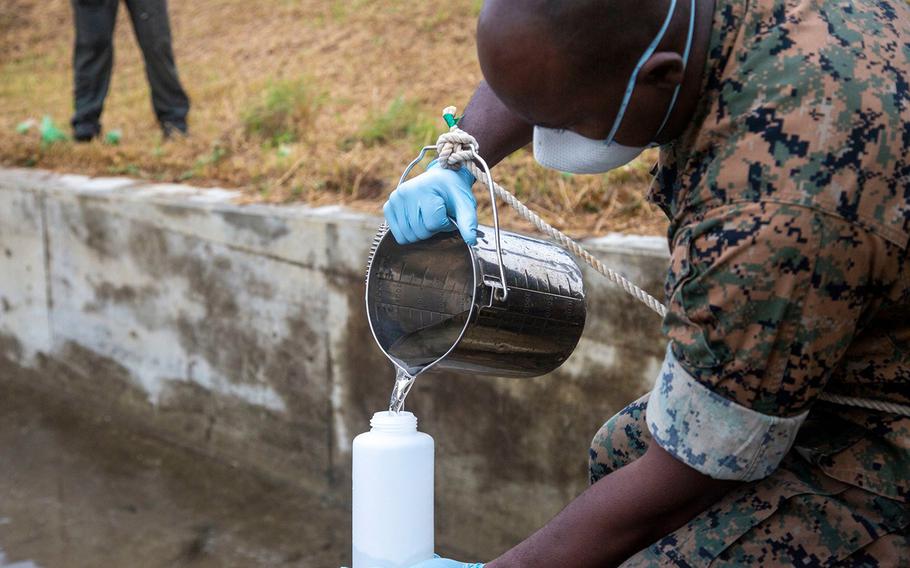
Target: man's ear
[664, 70]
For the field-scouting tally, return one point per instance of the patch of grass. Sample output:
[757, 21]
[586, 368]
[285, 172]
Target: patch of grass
[205, 163]
[401, 119]
[373, 92]
[284, 113]
[125, 170]
[354, 182]
[432, 24]
[636, 171]
[339, 10]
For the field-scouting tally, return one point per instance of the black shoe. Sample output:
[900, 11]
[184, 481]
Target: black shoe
[86, 131]
[170, 129]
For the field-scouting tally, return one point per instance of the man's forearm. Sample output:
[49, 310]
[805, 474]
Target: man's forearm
[619, 515]
[498, 131]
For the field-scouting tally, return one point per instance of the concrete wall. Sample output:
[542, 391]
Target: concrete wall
[239, 331]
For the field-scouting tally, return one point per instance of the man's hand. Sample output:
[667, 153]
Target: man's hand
[619, 515]
[423, 206]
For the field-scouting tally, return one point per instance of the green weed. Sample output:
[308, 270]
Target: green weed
[131, 170]
[285, 112]
[204, 163]
[402, 119]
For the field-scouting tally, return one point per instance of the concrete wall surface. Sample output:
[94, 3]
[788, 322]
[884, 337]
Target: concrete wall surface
[239, 331]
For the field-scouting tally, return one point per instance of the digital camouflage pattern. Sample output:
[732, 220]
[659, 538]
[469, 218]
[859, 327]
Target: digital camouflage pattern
[804, 102]
[797, 516]
[712, 433]
[789, 202]
[800, 158]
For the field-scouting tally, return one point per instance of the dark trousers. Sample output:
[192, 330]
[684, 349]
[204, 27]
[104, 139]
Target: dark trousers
[93, 58]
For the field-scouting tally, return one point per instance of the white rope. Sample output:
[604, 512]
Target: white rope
[457, 148]
[870, 403]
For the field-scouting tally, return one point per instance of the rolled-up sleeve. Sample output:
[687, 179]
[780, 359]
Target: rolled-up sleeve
[764, 299]
[713, 434]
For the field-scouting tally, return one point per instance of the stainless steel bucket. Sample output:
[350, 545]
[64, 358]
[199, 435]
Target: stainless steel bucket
[511, 306]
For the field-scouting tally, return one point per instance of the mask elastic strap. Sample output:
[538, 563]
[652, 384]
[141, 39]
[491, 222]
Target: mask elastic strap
[685, 65]
[641, 62]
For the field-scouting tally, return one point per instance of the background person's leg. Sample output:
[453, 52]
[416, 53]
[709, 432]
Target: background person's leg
[93, 57]
[620, 441]
[153, 31]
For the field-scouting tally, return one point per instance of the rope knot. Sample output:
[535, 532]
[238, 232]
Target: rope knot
[456, 147]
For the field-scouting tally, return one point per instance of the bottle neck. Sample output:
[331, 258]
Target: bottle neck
[393, 422]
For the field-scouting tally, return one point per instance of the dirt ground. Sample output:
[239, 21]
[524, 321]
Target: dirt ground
[81, 492]
[311, 100]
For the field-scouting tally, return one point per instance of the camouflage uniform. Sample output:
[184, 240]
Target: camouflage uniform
[789, 202]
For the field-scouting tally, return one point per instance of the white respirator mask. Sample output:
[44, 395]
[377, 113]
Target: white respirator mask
[571, 152]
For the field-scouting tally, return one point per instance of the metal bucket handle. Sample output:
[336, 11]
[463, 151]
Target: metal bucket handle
[489, 182]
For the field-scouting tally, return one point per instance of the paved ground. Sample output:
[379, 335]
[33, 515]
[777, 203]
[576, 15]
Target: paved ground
[77, 492]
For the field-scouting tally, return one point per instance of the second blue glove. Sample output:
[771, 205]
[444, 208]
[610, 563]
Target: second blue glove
[445, 563]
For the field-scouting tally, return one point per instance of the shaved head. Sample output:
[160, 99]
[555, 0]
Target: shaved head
[543, 57]
[592, 35]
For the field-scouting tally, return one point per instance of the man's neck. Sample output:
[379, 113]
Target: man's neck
[690, 92]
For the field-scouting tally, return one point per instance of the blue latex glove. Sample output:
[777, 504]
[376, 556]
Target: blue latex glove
[445, 563]
[421, 206]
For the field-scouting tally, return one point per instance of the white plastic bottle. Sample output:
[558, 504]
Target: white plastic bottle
[392, 502]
